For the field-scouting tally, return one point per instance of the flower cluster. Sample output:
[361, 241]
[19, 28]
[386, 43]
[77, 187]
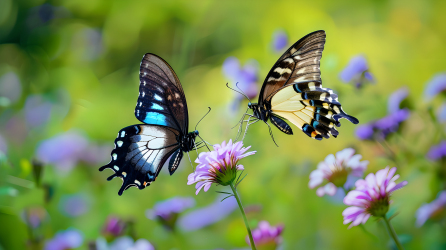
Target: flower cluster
[371, 197]
[246, 76]
[437, 152]
[63, 240]
[167, 211]
[357, 72]
[219, 166]
[335, 171]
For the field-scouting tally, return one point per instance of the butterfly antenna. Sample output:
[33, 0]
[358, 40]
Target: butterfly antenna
[203, 117]
[271, 134]
[243, 94]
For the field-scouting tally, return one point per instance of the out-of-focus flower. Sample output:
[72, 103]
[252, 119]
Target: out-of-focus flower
[65, 150]
[334, 171]
[209, 215]
[74, 205]
[3, 145]
[365, 131]
[395, 99]
[37, 110]
[437, 152]
[167, 211]
[431, 210]
[246, 76]
[441, 114]
[10, 89]
[114, 227]
[218, 166]
[371, 197]
[63, 240]
[34, 216]
[266, 236]
[390, 123]
[89, 42]
[435, 86]
[44, 13]
[357, 72]
[280, 40]
[124, 243]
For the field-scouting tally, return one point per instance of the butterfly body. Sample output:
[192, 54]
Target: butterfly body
[141, 150]
[293, 91]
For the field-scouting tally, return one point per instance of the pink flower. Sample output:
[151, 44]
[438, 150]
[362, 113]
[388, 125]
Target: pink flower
[265, 234]
[218, 166]
[334, 171]
[371, 197]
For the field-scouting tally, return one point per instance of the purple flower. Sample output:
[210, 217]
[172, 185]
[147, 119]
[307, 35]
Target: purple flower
[280, 40]
[365, 131]
[218, 166]
[371, 197]
[10, 89]
[37, 110]
[437, 152]
[435, 86]
[34, 216]
[265, 234]
[357, 71]
[3, 146]
[396, 98]
[114, 226]
[431, 210]
[167, 211]
[441, 114]
[246, 76]
[390, 123]
[68, 239]
[124, 243]
[74, 205]
[333, 172]
[209, 215]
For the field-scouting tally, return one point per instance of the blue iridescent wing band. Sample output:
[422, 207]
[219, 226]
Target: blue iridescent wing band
[161, 99]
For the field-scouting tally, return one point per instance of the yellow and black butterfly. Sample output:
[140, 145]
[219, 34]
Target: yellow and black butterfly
[293, 91]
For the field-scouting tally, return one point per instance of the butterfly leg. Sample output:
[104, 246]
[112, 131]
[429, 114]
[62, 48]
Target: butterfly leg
[190, 162]
[248, 124]
[271, 133]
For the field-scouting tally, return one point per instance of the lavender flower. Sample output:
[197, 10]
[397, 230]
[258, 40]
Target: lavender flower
[74, 205]
[218, 166]
[334, 171]
[365, 131]
[395, 99]
[266, 236]
[435, 86]
[167, 211]
[246, 76]
[280, 40]
[371, 197]
[437, 152]
[34, 216]
[357, 71]
[431, 210]
[68, 239]
[206, 216]
[37, 110]
[124, 243]
[114, 226]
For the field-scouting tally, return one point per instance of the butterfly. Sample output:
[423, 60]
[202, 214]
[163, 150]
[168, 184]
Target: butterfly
[293, 91]
[141, 150]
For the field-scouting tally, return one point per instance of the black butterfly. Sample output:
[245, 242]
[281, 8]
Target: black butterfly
[141, 150]
[293, 91]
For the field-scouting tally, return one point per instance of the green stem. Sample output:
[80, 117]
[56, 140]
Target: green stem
[253, 246]
[392, 233]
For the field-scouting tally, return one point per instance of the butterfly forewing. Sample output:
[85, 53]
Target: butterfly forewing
[301, 62]
[161, 99]
[139, 154]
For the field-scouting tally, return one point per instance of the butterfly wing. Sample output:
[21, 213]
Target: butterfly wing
[299, 63]
[161, 98]
[293, 90]
[139, 154]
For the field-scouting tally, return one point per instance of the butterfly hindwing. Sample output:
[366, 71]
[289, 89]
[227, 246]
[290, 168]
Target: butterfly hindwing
[161, 99]
[139, 154]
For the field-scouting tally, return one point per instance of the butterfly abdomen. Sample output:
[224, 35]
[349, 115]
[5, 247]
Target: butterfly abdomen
[281, 124]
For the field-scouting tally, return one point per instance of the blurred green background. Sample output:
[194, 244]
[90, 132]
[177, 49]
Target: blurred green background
[78, 61]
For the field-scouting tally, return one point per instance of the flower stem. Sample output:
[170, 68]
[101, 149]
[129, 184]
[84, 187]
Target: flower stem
[253, 246]
[392, 233]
